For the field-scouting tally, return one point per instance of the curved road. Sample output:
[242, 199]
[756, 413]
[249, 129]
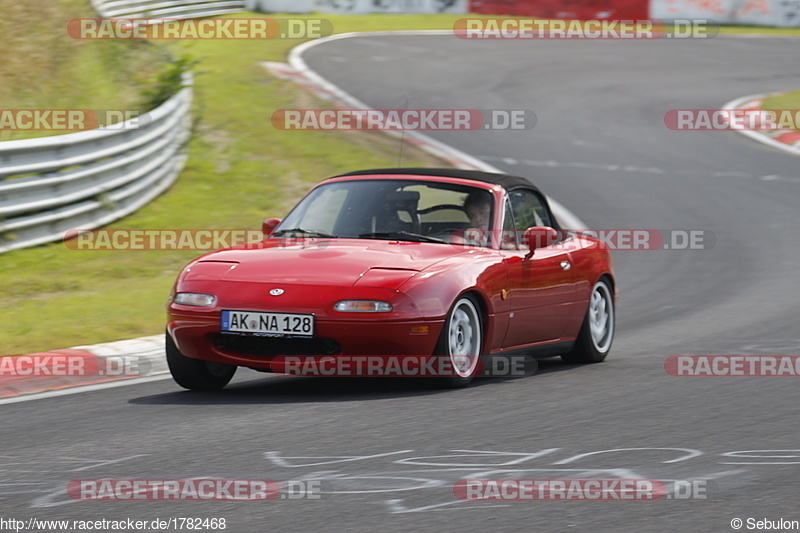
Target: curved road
[389, 452]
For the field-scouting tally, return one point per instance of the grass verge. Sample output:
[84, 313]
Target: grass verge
[789, 100]
[68, 73]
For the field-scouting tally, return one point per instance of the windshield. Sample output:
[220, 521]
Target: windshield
[390, 209]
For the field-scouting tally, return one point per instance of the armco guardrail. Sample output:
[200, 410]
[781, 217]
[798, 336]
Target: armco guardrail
[171, 9]
[83, 180]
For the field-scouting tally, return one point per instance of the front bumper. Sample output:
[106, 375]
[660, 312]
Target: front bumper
[199, 337]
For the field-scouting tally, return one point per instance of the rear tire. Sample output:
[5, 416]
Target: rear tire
[460, 342]
[196, 374]
[597, 332]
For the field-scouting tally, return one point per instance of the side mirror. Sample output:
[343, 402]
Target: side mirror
[539, 237]
[268, 226]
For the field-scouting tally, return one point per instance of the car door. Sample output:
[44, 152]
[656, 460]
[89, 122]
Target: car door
[542, 286]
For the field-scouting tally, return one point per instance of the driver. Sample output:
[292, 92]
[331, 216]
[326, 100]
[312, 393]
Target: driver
[478, 206]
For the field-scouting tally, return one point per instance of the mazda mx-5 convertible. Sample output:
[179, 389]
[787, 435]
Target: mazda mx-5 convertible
[439, 265]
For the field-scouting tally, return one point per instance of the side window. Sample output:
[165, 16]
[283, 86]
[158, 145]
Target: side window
[508, 238]
[528, 209]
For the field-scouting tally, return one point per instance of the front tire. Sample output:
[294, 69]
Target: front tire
[461, 341]
[196, 374]
[597, 332]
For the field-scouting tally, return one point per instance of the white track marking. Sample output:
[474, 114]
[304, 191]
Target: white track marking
[84, 388]
[758, 136]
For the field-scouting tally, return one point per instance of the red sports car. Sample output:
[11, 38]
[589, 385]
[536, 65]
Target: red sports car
[448, 265]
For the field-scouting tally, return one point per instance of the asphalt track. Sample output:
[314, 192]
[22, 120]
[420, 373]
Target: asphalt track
[391, 450]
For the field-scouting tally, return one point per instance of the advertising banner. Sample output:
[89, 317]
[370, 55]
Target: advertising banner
[781, 13]
[564, 9]
[345, 7]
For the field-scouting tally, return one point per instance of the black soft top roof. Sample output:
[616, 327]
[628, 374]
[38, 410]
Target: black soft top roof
[504, 180]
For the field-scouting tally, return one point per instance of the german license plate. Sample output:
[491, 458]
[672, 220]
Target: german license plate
[267, 323]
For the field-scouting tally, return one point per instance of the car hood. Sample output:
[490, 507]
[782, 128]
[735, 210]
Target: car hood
[343, 262]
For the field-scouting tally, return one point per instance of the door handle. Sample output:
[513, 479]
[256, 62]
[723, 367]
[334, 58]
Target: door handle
[566, 265]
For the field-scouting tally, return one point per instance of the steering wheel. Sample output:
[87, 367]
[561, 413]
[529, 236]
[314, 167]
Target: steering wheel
[441, 207]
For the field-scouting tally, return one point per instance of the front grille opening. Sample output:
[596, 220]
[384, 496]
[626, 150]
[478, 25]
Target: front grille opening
[272, 346]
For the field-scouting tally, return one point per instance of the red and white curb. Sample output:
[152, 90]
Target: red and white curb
[45, 373]
[145, 357]
[782, 139]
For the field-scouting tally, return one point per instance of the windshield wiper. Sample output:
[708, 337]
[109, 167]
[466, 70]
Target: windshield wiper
[312, 232]
[400, 235]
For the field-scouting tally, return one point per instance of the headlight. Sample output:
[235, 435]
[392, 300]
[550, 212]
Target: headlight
[195, 298]
[362, 306]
